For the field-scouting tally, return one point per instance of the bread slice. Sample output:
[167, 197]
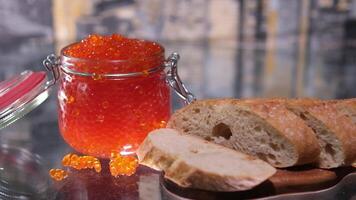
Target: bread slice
[348, 108]
[267, 130]
[336, 132]
[192, 162]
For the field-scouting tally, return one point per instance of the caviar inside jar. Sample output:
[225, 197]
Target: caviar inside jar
[100, 114]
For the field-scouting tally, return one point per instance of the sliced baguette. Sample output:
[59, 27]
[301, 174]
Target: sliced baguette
[266, 130]
[192, 162]
[336, 132]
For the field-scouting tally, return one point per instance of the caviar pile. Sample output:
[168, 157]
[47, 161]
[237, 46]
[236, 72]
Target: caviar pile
[58, 174]
[119, 165]
[81, 162]
[122, 165]
[98, 115]
[76, 162]
[137, 55]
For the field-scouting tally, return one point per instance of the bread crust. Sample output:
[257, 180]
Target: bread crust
[347, 107]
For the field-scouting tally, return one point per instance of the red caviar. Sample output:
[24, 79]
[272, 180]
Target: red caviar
[97, 114]
[81, 162]
[58, 174]
[122, 165]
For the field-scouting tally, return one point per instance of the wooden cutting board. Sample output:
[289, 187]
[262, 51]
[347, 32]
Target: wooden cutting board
[291, 180]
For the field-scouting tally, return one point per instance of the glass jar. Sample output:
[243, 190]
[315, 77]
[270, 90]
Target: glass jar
[101, 113]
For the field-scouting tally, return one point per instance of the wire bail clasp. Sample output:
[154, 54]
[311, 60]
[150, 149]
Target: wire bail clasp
[51, 63]
[174, 80]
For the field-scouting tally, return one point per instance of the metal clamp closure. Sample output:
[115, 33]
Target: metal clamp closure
[174, 80]
[51, 63]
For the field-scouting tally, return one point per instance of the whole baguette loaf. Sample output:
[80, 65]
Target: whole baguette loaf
[267, 130]
[192, 162]
[332, 126]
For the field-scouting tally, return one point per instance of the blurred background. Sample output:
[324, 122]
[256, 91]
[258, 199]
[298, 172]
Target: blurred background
[228, 48]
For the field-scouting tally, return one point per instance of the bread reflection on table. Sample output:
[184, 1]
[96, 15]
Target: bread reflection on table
[293, 183]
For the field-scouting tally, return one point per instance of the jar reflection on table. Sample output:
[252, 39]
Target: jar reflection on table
[100, 114]
[87, 184]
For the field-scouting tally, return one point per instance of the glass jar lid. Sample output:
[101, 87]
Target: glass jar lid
[21, 94]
